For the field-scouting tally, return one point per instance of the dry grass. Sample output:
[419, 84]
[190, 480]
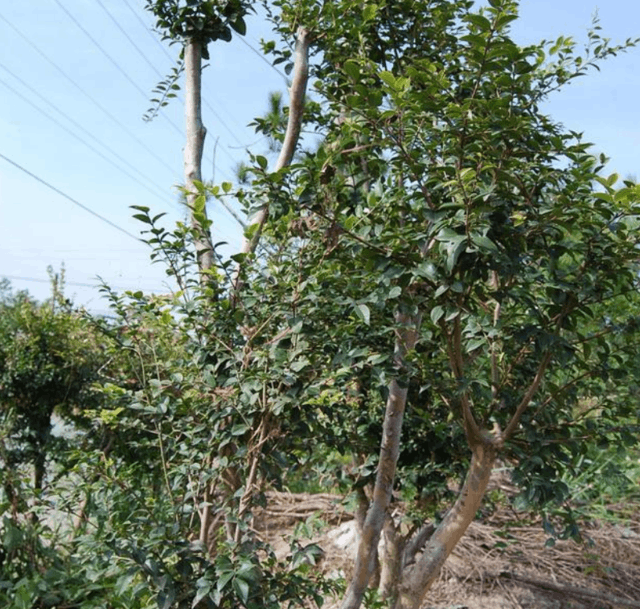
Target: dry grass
[503, 561]
[606, 562]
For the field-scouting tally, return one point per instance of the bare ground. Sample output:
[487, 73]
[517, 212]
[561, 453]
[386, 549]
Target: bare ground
[503, 562]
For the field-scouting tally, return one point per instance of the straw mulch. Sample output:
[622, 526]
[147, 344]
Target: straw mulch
[503, 561]
[601, 571]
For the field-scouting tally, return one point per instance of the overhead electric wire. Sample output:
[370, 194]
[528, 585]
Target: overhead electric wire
[66, 196]
[131, 41]
[150, 32]
[158, 193]
[115, 63]
[164, 50]
[259, 54]
[77, 283]
[205, 101]
[159, 74]
[146, 59]
[93, 101]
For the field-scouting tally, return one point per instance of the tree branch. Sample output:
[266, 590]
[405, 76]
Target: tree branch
[296, 109]
[527, 397]
[418, 578]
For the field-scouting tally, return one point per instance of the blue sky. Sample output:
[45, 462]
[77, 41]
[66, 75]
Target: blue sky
[58, 88]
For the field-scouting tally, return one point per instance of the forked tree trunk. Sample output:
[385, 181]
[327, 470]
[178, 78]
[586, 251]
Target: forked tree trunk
[193, 151]
[419, 577]
[231, 479]
[390, 559]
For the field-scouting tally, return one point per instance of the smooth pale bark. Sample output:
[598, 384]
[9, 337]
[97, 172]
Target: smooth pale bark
[194, 148]
[417, 579]
[390, 559]
[406, 338]
[193, 151]
[297, 93]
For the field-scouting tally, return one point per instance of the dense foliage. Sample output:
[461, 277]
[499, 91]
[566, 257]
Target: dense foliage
[443, 256]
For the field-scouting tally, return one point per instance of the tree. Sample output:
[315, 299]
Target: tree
[195, 25]
[485, 249]
[486, 243]
[49, 358]
[447, 256]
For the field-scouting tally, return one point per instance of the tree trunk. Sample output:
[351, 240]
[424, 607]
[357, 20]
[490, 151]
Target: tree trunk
[390, 559]
[406, 338]
[418, 578]
[193, 152]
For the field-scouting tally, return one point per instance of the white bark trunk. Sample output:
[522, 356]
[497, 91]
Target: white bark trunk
[417, 579]
[294, 125]
[194, 148]
[407, 336]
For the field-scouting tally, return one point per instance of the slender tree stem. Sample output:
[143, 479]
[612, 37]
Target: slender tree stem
[194, 148]
[297, 93]
[406, 339]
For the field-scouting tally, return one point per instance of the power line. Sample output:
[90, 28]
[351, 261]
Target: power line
[114, 62]
[205, 101]
[259, 54]
[161, 197]
[74, 201]
[155, 38]
[159, 74]
[66, 196]
[88, 96]
[78, 283]
[133, 44]
[220, 119]
[150, 32]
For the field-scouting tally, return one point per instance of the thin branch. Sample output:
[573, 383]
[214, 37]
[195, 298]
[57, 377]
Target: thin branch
[495, 373]
[526, 400]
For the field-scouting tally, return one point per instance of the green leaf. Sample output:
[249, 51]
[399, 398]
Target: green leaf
[241, 588]
[239, 26]
[369, 12]
[200, 594]
[475, 343]
[388, 78]
[454, 250]
[504, 20]
[484, 243]
[436, 313]
[223, 579]
[363, 312]
[300, 364]
[377, 359]
[427, 270]
[166, 598]
[480, 21]
[262, 162]
[352, 69]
